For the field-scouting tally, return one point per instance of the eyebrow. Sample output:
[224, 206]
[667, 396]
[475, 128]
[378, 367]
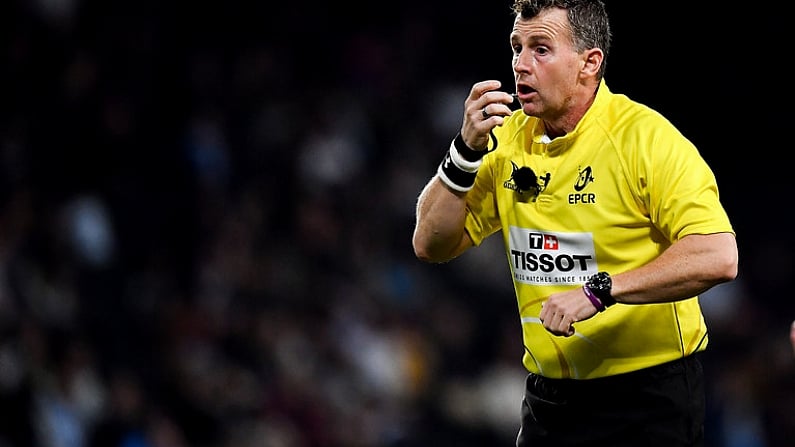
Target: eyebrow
[533, 38]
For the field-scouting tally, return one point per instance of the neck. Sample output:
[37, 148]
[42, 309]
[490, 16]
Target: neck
[563, 124]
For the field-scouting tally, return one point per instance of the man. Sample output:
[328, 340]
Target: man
[612, 225]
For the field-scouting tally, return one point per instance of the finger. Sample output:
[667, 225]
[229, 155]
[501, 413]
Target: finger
[564, 325]
[480, 88]
[498, 97]
[553, 324]
[561, 331]
[496, 104]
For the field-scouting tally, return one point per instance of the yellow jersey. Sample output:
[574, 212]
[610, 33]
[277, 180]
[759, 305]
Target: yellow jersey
[610, 196]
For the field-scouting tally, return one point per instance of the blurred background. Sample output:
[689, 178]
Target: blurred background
[206, 212]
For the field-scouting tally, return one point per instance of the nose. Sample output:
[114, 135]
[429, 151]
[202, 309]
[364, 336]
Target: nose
[521, 62]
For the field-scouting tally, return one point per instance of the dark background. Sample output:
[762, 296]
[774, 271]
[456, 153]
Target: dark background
[206, 212]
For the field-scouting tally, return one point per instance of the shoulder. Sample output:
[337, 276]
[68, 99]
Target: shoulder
[636, 131]
[619, 115]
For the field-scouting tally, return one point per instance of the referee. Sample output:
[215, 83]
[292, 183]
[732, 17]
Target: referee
[612, 225]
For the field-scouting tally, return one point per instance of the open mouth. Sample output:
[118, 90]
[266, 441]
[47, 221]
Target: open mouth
[524, 90]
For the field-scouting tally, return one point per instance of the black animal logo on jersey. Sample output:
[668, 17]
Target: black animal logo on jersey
[524, 179]
[585, 177]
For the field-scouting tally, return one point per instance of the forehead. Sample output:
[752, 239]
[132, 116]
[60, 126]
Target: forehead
[549, 24]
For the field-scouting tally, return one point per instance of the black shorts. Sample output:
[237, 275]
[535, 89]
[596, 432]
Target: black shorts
[661, 406]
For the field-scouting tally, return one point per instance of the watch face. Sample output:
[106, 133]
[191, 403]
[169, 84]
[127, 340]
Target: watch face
[601, 284]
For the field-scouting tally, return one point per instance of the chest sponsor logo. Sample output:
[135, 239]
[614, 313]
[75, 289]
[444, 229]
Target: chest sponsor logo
[545, 258]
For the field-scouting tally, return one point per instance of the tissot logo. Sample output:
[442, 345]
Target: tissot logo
[585, 177]
[546, 257]
[540, 241]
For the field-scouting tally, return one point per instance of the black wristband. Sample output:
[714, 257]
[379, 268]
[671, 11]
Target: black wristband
[455, 177]
[466, 152]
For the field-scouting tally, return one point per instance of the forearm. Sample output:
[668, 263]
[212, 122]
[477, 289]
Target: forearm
[439, 233]
[686, 269]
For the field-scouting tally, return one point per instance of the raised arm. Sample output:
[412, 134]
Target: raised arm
[439, 232]
[439, 235]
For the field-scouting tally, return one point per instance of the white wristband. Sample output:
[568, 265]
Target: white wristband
[461, 163]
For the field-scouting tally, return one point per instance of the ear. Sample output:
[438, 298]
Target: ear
[592, 61]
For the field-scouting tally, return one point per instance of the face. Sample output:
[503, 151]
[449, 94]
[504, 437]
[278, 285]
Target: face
[546, 66]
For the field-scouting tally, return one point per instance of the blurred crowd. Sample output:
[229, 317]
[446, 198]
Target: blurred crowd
[205, 224]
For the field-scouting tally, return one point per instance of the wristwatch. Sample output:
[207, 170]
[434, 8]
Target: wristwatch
[601, 285]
